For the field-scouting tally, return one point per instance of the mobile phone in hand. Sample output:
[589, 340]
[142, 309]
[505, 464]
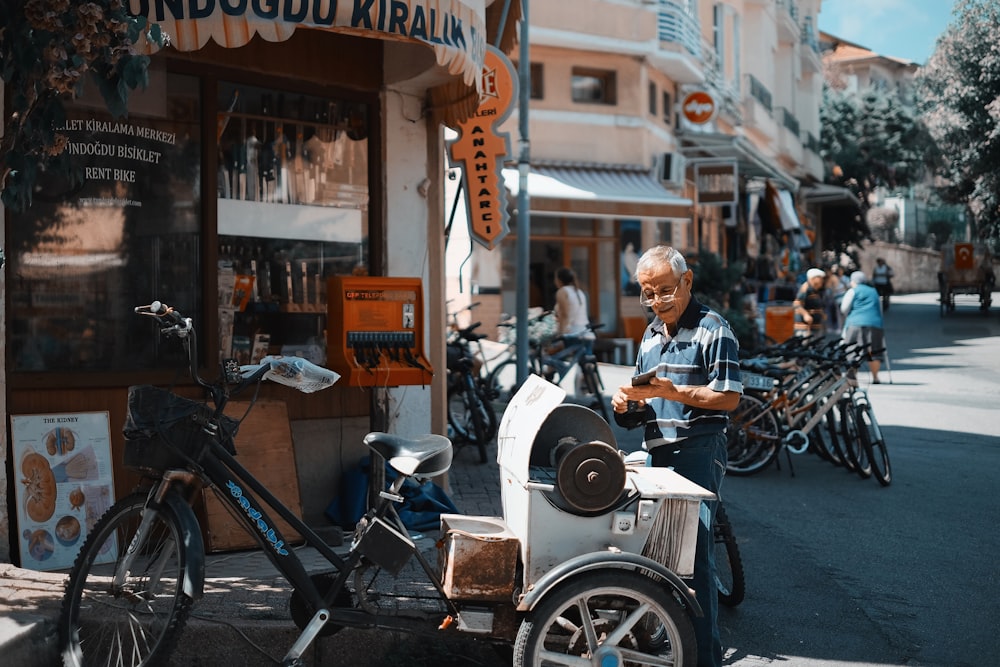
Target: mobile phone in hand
[643, 378]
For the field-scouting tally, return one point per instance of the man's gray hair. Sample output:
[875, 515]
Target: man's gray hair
[658, 255]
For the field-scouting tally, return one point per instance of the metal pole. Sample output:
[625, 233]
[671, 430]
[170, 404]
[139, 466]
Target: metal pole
[523, 200]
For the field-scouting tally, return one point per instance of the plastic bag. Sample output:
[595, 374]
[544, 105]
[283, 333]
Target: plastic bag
[296, 372]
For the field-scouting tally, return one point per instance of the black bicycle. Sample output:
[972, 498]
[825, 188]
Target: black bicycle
[141, 568]
[471, 415]
[554, 358]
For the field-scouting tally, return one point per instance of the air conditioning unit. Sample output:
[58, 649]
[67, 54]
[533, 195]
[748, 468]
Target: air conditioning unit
[671, 170]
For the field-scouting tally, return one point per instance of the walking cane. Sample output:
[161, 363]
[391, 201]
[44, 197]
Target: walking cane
[888, 363]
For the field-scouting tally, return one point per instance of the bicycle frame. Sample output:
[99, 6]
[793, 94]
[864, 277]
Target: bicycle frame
[251, 502]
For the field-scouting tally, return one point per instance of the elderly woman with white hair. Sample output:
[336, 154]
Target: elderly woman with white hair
[863, 320]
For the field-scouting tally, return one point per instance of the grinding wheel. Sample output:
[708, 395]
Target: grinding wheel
[591, 476]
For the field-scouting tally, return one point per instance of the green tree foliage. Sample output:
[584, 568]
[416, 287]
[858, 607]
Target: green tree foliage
[960, 99]
[48, 48]
[871, 140]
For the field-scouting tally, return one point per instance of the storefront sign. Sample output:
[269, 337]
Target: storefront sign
[480, 149]
[717, 183]
[698, 107]
[63, 466]
[456, 29]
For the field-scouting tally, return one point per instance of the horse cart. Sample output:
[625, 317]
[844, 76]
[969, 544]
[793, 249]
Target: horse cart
[966, 270]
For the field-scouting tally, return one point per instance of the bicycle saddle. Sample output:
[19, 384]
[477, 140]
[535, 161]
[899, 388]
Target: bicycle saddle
[423, 456]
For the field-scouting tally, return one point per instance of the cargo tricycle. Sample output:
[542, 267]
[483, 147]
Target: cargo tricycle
[584, 567]
[967, 270]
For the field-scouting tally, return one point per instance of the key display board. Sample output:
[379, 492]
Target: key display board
[375, 331]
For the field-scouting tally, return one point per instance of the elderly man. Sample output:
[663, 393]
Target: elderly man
[684, 407]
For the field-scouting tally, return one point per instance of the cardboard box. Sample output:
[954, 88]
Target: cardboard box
[264, 447]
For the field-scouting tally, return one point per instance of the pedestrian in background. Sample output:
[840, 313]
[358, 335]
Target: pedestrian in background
[882, 280]
[837, 285]
[684, 408]
[810, 304]
[863, 323]
[572, 316]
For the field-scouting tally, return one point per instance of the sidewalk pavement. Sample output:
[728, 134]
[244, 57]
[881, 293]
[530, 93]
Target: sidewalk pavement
[243, 617]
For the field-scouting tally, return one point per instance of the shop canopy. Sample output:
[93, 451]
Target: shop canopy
[457, 31]
[752, 162]
[598, 191]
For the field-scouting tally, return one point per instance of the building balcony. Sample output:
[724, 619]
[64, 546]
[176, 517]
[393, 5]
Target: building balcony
[758, 114]
[787, 17]
[681, 53]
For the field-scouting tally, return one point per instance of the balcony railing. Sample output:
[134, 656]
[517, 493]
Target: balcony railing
[678, 25]
[792, 7]
[809, 36]
[812, 143]
[789, 121]
[759, 92]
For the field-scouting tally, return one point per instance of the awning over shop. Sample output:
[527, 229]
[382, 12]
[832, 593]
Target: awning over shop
[457, 30]
[821, 193]
[619, 192]
[752, 162]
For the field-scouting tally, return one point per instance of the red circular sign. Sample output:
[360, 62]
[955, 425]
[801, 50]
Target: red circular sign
[698, 107]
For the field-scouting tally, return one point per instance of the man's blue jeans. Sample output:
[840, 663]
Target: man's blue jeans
[701, 459]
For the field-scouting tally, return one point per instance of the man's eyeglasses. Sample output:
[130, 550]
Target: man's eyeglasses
[649, 297]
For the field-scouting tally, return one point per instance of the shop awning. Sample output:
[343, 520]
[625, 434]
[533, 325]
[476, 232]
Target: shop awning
[752, 162]
[457, 30]
[618, 192]
[822, 193]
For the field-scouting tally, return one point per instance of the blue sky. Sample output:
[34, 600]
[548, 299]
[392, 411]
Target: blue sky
[898, 28]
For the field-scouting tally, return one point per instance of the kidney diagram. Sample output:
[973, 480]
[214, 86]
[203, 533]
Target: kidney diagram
[40, 487]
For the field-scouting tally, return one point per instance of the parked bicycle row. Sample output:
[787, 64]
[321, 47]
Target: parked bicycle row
[803, 396]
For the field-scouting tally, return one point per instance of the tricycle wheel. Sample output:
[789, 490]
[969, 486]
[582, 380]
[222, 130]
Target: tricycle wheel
[607, 617]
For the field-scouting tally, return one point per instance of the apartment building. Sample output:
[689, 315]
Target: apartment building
[679, 121]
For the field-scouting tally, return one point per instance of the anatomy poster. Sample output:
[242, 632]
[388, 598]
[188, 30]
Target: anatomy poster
[63, 473]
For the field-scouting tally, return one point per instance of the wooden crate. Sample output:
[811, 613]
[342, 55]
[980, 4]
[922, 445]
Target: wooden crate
[264, 447]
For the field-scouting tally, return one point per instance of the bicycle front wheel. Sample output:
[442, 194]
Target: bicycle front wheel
[852, 439]
[135, 621]
[752, 437]
[472, 418]
[874, 444]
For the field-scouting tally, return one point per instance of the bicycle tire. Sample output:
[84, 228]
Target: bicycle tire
[874, 444]
[834, 424]
[823, 437]
[852, 439]
[595, 387]
[96, 619]
[472, 419]
[729, 579]
[502, 380]
[612, 612]
[752, 438]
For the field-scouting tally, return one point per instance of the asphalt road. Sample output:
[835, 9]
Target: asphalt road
[841, 571]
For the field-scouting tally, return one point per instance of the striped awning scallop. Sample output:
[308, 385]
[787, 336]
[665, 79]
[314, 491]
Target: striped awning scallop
[457, 30]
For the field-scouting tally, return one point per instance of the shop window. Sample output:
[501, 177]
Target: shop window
[292, 212]
[593, 86]
[124, 231]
